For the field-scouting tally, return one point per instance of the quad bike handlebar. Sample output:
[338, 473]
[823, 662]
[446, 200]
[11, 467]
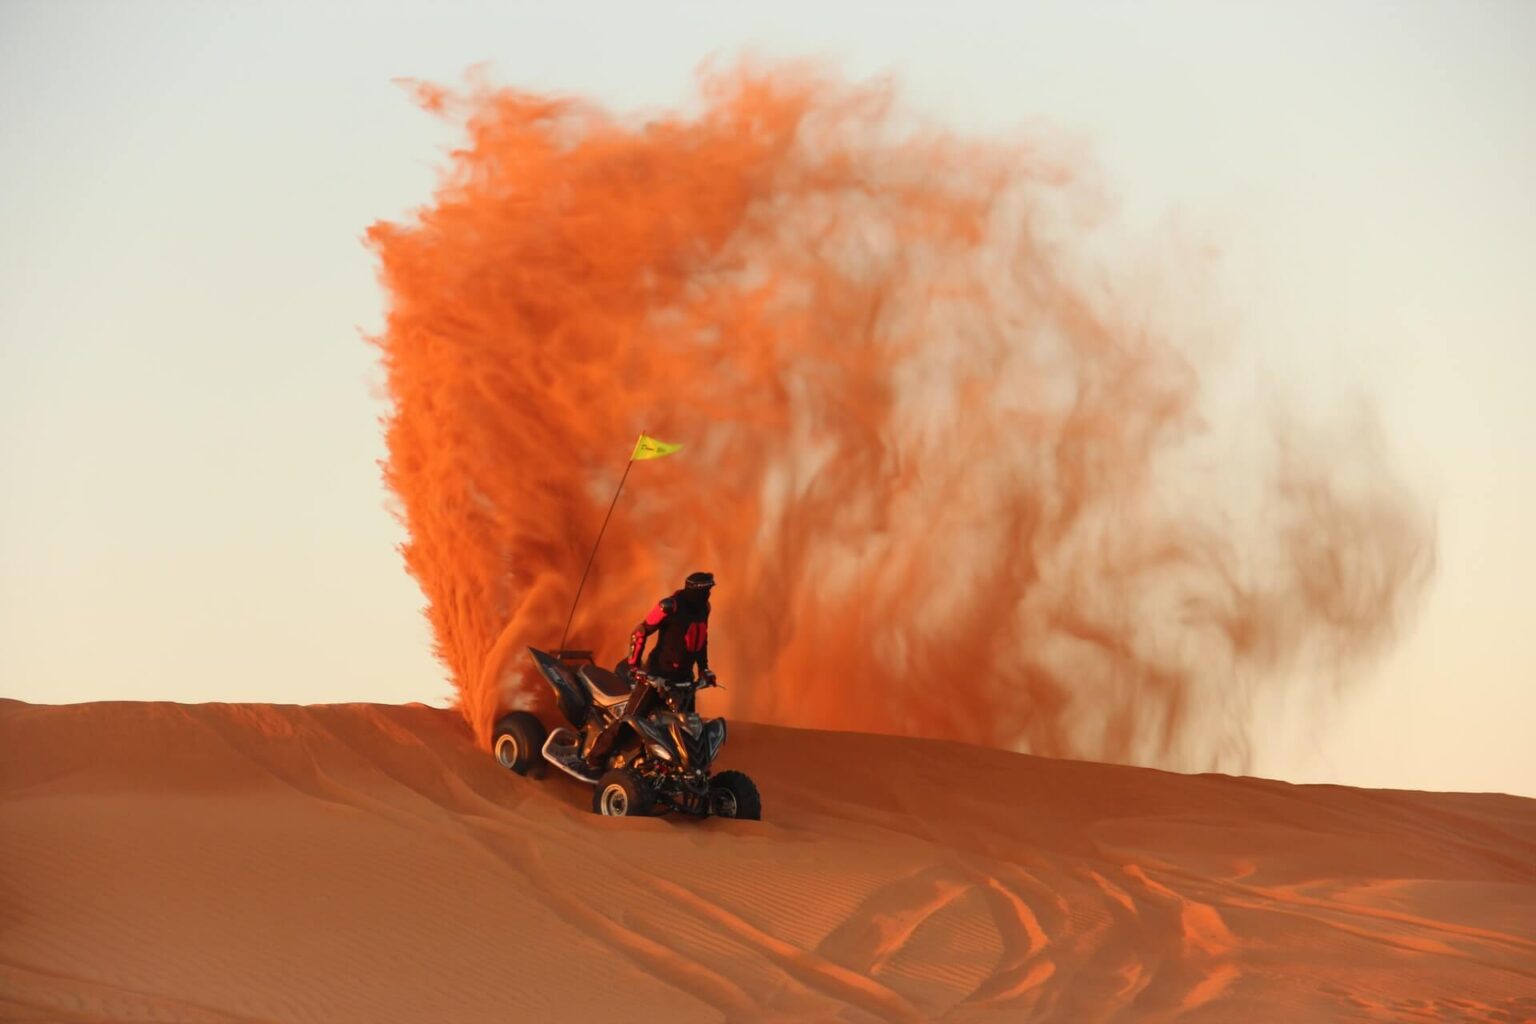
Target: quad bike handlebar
[639, 675]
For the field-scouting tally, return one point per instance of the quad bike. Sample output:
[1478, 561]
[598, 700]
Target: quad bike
[637, 740]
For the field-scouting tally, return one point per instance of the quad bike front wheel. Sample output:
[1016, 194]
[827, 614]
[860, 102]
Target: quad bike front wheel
[734, 795]
[622, 793]
[518, 741]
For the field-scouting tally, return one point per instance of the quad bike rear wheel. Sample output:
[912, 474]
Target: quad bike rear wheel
[518, 741]
[734, 795]
[622, 793]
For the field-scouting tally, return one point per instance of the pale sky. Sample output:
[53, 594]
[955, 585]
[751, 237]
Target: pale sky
[190, 506]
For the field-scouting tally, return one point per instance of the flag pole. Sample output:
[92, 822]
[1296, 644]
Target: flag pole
[611, 506]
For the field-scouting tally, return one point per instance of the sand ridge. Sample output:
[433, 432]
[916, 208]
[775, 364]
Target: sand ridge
[164, 862]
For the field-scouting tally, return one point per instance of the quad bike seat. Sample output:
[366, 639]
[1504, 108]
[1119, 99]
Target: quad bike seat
[607, 688]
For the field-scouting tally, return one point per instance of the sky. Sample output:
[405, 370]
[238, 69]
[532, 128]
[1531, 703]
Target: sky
[190, 502]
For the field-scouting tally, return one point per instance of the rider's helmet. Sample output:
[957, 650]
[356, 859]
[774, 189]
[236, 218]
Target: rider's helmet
[699, 581]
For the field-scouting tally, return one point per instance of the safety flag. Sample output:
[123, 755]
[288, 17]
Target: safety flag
[650, 448]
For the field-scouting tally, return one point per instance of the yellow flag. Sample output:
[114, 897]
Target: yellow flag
[650, 448]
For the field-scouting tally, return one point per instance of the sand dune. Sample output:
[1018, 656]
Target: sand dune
[217, 863]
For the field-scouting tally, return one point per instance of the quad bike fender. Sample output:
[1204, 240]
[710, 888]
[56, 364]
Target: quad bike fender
[570, 695]
[648, 732]
[714, 738]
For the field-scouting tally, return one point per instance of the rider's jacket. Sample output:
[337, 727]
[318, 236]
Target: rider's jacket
[682, 622]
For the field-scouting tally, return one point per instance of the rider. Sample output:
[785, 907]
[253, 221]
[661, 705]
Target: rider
[682, 624]
[682, 621]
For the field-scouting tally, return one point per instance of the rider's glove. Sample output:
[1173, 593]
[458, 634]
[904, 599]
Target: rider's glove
[706, 678]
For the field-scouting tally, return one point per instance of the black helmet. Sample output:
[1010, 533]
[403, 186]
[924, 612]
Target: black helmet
[699, 581]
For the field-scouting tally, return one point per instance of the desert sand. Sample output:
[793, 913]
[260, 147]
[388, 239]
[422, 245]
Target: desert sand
[202, 863]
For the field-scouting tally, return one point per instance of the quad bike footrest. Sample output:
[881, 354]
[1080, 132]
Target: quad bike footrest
[563, 750]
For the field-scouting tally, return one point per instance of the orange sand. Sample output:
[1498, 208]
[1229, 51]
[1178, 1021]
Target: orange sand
[203, 863]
